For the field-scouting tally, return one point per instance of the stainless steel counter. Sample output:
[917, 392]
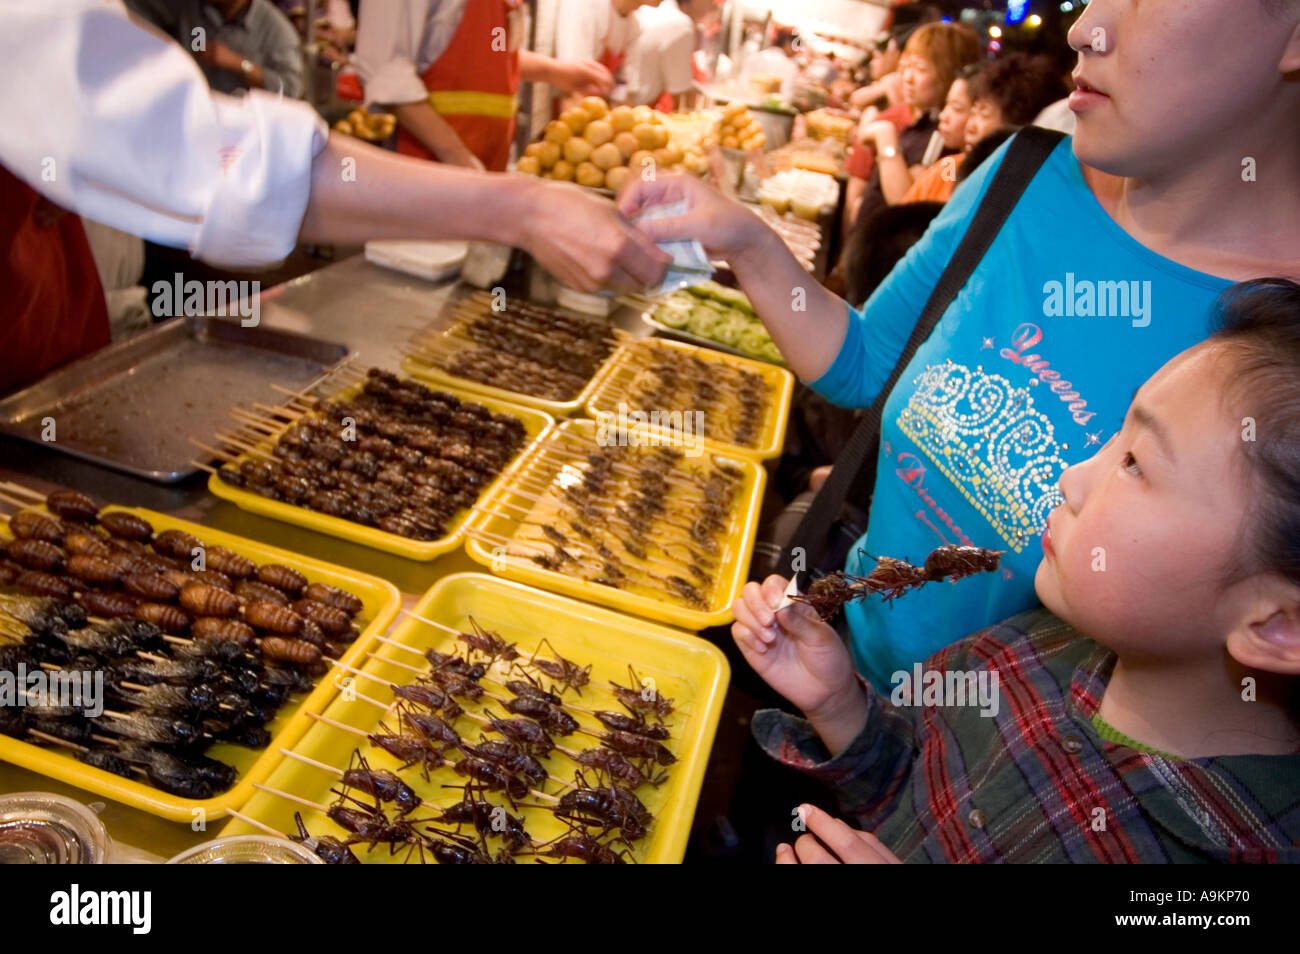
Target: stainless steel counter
[374, 311]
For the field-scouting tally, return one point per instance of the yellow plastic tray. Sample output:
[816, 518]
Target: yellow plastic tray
[380, 603]
[738, 542]
[535, 424]
[430, 374]
[685, 668]
[613, 380]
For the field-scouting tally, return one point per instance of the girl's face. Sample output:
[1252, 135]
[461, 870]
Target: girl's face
[1136, 555]
[985, 116]
[920, 82]
[952, 120]
[1157, 78]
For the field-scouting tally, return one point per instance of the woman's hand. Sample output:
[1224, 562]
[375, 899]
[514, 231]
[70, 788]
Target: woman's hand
[846, 845]
[880, 134]
[585, 78]
[725, 228]
[582, 240]
[796, 653]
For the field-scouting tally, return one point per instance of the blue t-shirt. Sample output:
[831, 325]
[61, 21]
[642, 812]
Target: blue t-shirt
[1030, 370]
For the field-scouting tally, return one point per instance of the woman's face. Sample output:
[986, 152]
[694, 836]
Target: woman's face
[953, 118]
[921, 88]
[1157, 79]
[985, 116]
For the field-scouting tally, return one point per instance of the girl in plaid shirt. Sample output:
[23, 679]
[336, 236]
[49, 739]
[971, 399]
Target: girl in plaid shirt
[1148, 712]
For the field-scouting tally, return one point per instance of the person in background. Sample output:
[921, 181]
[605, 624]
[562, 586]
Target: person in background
[886, 85]
[239, 44]
[659, 70]
[1006, 93]
[115, 122]
[597, 31]
[450, 71]
[931, 59]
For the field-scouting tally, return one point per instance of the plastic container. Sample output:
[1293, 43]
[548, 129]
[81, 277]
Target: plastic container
[692, 672]
[535, 424]
[614, 381]
[380, 603]
[503, 511]
[40, 828]
[247, 850]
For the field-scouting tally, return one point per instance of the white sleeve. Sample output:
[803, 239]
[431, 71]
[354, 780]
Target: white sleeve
[389, 36]
[116, 122]
[575, 31]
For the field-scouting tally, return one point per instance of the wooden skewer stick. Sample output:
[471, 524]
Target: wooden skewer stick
[55, 740]
[254, 823]
[17, 488]
[202, 466]
[323, 809]
[226, 456]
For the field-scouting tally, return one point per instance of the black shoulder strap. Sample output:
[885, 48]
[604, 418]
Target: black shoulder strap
[856, 467]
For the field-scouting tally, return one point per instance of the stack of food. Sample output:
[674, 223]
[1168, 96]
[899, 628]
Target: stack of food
[493, 750]
[618, 510]
[824, 155]
[829, 124]
[737, 129]
[113, 564]
[595, 146]
[733, 400]
[396, 455]
[372, 127]
[525, 348]
[806, 194]
[712, 311]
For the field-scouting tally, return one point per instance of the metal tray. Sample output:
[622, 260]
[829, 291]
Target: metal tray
[134, 405]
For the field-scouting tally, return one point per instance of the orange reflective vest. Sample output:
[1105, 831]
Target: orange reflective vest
[474, 84]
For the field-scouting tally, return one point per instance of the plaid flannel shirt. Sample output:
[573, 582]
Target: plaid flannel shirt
[1036, 783]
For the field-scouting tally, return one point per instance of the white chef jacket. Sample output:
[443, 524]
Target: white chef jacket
[397, 40]
[109, 118]
[659, 61]
[584, 29]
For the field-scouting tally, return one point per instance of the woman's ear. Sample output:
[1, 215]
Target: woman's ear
[1289, 65]
[1267, 637]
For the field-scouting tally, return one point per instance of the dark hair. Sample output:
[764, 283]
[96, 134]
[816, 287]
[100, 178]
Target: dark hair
[982, 150]
[1021, 85]
[876, 245]
[1259, 321]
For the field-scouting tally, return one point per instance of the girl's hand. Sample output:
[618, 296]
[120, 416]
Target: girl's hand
[725, 228]
[846, 845]
[795, 653]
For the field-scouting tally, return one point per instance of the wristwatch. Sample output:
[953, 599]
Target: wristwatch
[245, 66]
[888, 152]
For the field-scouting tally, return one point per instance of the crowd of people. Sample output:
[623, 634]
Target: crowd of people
[1081, 404]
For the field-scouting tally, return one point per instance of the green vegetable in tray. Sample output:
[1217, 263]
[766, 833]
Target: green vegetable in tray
[673, 314]
[730, 297]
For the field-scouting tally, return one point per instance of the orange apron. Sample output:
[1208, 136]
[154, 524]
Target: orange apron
[53, 308]
[474, 84]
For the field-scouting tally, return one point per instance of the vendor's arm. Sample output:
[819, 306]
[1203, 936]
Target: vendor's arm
[583, 77]
[895, 175]
[360, 192]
